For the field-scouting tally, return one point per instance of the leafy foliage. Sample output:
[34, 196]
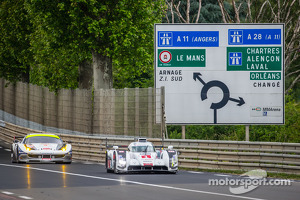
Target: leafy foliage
[290, 132]
[53, 44]
[15, 29]
[63, 34]
[133, 44]
[118, 29]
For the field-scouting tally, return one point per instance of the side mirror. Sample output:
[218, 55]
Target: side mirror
[69, 141]
[115, 147]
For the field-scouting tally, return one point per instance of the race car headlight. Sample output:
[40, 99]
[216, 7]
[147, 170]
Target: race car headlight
[174, 161]
[122, 162]
[29, 147]
[62, 147]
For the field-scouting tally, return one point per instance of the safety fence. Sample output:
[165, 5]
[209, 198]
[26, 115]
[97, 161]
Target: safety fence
[194, 154]
[128, 112]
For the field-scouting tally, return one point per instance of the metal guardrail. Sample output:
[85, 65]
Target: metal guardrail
[194, 154]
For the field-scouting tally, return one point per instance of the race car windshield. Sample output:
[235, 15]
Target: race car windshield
[142, 149]
[42, 139]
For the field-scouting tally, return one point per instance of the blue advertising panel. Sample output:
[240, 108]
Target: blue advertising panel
[254, 36]
[188, 39]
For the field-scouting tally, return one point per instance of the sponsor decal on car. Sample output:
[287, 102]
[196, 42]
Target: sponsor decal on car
[148, 164]
[146, 156]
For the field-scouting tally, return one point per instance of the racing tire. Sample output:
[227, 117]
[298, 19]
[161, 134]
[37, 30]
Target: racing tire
[106, 164]
[106, 159]
[17, 158]
[109, 171]
[13, 157]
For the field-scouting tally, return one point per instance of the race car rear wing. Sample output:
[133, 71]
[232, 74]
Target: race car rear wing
[16, 138]
[116, 146]
[161, 147]
[125, 147]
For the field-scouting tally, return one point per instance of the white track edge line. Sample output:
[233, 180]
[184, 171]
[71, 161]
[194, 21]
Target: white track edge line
[133, 182]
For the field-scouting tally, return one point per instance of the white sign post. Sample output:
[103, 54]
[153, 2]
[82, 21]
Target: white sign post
[221, 73]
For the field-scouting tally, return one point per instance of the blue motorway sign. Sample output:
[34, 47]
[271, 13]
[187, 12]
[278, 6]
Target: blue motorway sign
[254, 36]
[188, 39]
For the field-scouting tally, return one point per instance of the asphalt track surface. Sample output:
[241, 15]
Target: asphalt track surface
[89, 181]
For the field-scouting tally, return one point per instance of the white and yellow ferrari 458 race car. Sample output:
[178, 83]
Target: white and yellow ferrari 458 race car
[40, 147]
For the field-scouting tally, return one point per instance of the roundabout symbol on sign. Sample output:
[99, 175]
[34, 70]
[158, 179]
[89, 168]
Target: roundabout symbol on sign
[165, 56]
[225, 90]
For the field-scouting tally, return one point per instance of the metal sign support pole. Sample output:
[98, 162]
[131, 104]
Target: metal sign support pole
[183, 132]
[247, 133]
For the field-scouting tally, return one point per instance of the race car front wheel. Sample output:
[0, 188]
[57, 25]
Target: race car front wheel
[115, 164]
[13, 156]
[107, 166]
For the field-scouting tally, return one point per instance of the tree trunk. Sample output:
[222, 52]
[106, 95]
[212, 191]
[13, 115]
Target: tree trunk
[85, 71]
[102, 71]
[25, 76]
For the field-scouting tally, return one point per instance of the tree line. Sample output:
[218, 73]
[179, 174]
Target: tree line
[70, 43]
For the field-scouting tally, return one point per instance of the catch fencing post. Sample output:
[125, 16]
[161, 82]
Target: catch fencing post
[126, 111]
[137, 112]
